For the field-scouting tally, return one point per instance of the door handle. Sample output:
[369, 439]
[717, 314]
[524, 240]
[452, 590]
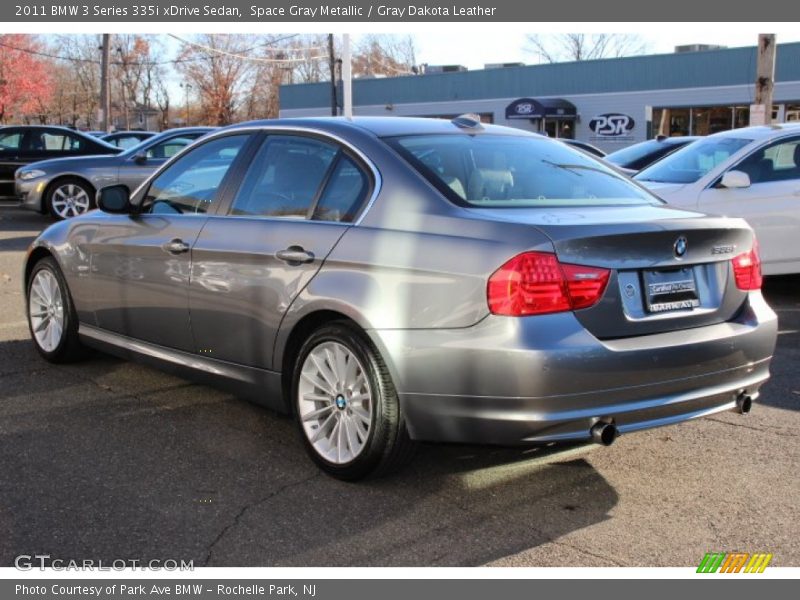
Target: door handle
[176, 246]
[295, 255]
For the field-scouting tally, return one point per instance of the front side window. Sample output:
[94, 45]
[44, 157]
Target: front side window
[692, 162]
[190, 184]
[284, 178]
[10, 141]
[777, 162]
[501, 171]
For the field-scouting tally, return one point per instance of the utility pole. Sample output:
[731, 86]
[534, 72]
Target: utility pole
[765, 80]
[105, 95]
[347, 78]
[332, 65]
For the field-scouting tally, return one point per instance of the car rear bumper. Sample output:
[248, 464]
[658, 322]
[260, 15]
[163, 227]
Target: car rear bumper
[542, 379]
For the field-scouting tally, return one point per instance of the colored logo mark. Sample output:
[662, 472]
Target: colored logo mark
[734, 562]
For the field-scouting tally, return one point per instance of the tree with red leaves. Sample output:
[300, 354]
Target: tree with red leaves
[24, 78]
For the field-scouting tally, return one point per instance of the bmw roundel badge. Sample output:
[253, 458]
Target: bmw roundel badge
[680, 247]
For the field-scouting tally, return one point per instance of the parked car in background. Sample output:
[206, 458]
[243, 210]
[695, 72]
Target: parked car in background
[388, 280]
[66, 187]
[584, 146]
[127, 139]
[638, 156]
[754, 173]
[25, 144]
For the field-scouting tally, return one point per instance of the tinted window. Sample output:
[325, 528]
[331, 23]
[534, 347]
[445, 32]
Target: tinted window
[692, 162]
[169, 148]
[499, 171]
[284, 177]
[10, 141]
[344, 192]
[60, 142]
[190, 184]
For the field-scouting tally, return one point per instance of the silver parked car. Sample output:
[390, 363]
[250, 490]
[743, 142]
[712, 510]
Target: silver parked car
[387, 280]
[65, 187]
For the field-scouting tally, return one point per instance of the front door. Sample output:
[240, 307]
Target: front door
[771, 205]
[141, 264]
[10, 149]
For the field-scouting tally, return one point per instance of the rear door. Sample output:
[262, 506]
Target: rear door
[141, 263]
[771, 205]
[11, 140]
[295, 201]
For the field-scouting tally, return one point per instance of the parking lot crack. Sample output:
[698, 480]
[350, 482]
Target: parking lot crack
[589, 553]
[238, 517]
[771, 430]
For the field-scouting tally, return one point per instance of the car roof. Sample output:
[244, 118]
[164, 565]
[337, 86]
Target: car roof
[760, 132]
[385, 126]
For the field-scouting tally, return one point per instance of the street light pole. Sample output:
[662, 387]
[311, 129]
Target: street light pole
[186, 88]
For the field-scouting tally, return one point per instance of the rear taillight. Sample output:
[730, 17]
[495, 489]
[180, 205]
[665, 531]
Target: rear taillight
[535, 283]
[747, 269]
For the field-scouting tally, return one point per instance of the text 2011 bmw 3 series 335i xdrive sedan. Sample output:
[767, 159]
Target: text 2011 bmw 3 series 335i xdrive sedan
[389, 280]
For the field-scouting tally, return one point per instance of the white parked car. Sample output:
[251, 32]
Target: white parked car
[753, 173]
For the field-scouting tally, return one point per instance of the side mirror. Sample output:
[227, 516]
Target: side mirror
[140, 158]
[735, 179]
[114, 199]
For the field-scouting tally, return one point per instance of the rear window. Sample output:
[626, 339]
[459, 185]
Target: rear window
[497, 171]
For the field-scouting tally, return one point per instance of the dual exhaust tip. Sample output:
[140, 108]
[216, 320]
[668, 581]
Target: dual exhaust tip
[605, 433]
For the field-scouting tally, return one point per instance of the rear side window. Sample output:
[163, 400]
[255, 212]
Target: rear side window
[344, 193]
[499, 171]
[284, 178]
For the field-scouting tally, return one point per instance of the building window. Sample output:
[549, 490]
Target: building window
[705, 120]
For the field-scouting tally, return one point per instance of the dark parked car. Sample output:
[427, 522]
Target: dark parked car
[585, 146]
[25, 144]
[638, 156]
[127, 139]
[66, 187]
[388, 280]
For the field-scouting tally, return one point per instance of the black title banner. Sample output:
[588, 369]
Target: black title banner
[415, 11]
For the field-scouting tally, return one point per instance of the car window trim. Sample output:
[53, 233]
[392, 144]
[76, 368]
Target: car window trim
[343, 147]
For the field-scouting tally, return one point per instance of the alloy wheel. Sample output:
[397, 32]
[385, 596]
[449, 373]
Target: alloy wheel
[46, 308]
[335, 402]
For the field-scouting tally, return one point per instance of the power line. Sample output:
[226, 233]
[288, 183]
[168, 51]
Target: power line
[243, 57]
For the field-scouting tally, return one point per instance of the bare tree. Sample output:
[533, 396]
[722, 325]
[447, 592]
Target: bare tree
[566, 47]
[384, 55]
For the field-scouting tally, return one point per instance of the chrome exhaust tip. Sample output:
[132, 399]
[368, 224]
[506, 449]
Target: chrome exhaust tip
[604, 433]
[744, 402]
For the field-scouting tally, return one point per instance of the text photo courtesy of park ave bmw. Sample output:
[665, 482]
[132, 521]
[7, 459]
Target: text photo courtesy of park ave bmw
[349, 287]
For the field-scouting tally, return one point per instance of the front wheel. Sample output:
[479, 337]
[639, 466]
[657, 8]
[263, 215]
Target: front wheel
[52, 319]
[69, 198]
[346, 405]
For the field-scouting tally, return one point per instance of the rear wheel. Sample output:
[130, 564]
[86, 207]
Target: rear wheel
[69, 197]
[346, 405]
[52, 319]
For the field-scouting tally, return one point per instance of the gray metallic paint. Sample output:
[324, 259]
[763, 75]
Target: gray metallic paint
[412, 273]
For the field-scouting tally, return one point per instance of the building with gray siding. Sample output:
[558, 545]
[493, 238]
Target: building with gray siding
[611, 103]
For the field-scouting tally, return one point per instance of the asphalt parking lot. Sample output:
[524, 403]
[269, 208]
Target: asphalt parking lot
[110, 460]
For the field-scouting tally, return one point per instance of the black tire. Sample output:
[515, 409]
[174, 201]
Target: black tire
[388, 446]
[69, 348]
[79, 185]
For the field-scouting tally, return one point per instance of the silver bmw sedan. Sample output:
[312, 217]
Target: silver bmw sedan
[391, 280]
